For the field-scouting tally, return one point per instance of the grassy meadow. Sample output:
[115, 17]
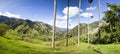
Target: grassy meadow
[21, 47]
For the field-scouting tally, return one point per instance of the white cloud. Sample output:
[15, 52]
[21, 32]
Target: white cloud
[86, 14]
[8, 14]
[62, 19]
[91, 8]
[73, 11]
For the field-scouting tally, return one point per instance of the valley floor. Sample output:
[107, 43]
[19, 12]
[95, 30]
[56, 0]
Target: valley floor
[20, 47]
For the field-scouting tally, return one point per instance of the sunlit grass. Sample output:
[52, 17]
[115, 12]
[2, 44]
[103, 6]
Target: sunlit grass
[21, 47]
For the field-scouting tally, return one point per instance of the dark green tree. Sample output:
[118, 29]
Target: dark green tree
[3, 29]
[111, 32]
[112, 17]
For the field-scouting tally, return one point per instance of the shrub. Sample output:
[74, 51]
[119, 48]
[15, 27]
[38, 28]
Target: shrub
[3, 29]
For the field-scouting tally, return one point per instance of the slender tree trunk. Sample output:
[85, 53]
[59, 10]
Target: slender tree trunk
[99, 21]
[54, 25]
[79, 23]
[90, 1]
[88, 29]
[67, 24]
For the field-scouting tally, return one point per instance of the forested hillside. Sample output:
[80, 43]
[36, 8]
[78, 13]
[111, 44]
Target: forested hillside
[26, 26]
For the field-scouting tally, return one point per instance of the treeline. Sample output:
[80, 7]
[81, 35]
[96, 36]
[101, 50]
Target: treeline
[110, 32]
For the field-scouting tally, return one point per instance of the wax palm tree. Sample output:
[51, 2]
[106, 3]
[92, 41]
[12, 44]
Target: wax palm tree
[54, 25]
[79, 22]
[90, 1]
[99, 20]
[67, 24]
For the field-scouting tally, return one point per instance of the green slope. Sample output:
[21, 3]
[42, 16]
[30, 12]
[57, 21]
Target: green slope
[26, 26]
[84, 28]
[20, 47]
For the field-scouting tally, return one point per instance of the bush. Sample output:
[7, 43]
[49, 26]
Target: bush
[3, 29]
[83, 38]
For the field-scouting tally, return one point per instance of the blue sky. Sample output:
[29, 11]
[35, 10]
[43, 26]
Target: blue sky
[42, 10]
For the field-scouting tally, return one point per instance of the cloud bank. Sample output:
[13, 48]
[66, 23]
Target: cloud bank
[8, 14]
[62, 19]
[86, 14]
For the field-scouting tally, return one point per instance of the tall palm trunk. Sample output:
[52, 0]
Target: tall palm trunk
[90, 1]
[54, 25]
[79, 22]
[99, 21]
[88, 29]
[67, 24]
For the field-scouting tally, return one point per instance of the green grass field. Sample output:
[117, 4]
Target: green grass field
[20, 47]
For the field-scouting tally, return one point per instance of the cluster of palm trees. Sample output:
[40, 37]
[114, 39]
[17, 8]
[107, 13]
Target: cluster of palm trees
[54, 22]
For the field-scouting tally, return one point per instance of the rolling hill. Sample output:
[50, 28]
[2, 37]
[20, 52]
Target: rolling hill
[84, 28]
[27, 26]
